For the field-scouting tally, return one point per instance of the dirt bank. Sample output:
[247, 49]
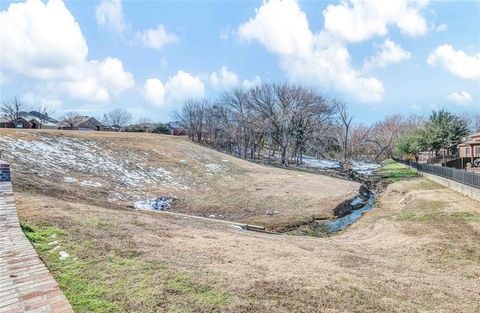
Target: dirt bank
[418, 250]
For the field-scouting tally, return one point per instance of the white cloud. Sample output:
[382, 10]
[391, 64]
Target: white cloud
[154, 91]
[156, 38]
[441, 27]
[456, 62]
[356, 21]
[177, 89]
[43, 41]
[251, 83]
[224, 79]
[460, 98]
[387, 53]
[99, 80]
[183, 86]
[35, 101]
[40, 40]
[110, 14]
[282, 28]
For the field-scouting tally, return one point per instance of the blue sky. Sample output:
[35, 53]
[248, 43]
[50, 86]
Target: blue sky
[380, 57]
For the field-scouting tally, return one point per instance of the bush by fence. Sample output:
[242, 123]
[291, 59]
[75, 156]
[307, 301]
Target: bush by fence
[460, 176]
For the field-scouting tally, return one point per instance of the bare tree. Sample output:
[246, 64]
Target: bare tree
[44, 115]
[12, 109]
[344, 124]
[192, 117]
[472, 120]
[71, 119]
[117, 119]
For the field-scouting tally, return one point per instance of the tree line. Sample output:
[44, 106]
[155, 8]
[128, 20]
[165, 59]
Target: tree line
[442, 131]
[285, 122]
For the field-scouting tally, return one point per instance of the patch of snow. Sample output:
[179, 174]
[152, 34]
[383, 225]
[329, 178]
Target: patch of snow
[63, 255]
[309, 161]
[213, 168]
[70, 180]
[363, 167]
[59, 155]
[236, 226]
[156, 204]
[89, 183]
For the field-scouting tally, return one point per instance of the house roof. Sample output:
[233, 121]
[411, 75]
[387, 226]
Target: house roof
[468, 143]
[83, 120]
[41, 116]
[472, 139]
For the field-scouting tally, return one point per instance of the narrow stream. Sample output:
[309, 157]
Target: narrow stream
[343, 222]
[347, 213]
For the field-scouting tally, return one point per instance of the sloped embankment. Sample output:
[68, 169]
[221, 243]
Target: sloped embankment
[117, 170]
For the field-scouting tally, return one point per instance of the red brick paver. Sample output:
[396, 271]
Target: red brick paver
[26, 285]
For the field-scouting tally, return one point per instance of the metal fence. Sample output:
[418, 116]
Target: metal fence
[467, 178]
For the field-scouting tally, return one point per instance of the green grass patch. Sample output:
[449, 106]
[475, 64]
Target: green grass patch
[394, 172]
[466, 216]
[95, 280]
[421, 211]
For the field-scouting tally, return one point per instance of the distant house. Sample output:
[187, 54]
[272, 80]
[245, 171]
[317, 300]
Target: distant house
[176, 129]
[82, 123]
[4, 122]
[39, 120]
[470, 148]
[29, 120]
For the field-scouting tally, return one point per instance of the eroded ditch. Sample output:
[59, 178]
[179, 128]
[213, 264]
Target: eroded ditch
[346, 213]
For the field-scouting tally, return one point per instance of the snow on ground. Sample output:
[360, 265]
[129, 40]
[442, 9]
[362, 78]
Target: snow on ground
[363, 167]
[63, 155]
[156, 204]
[360, 167]
[309, 161]
[213, 168]
[70, 180]
[89, 183]
[63, 255]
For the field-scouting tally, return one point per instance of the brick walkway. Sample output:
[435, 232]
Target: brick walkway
[26, 285]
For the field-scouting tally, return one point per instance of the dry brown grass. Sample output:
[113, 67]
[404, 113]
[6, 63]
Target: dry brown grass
[238, 191]
[383, 263]
[417, 251]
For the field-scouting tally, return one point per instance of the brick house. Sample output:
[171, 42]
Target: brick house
[83, 123]
[176, 129]
[470, 148]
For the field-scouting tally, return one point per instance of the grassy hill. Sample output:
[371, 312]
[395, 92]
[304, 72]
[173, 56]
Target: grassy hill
[417, 251]
[117, 169]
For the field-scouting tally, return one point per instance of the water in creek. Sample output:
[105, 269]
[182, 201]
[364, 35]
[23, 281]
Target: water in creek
[350, 212]
[342, 222]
